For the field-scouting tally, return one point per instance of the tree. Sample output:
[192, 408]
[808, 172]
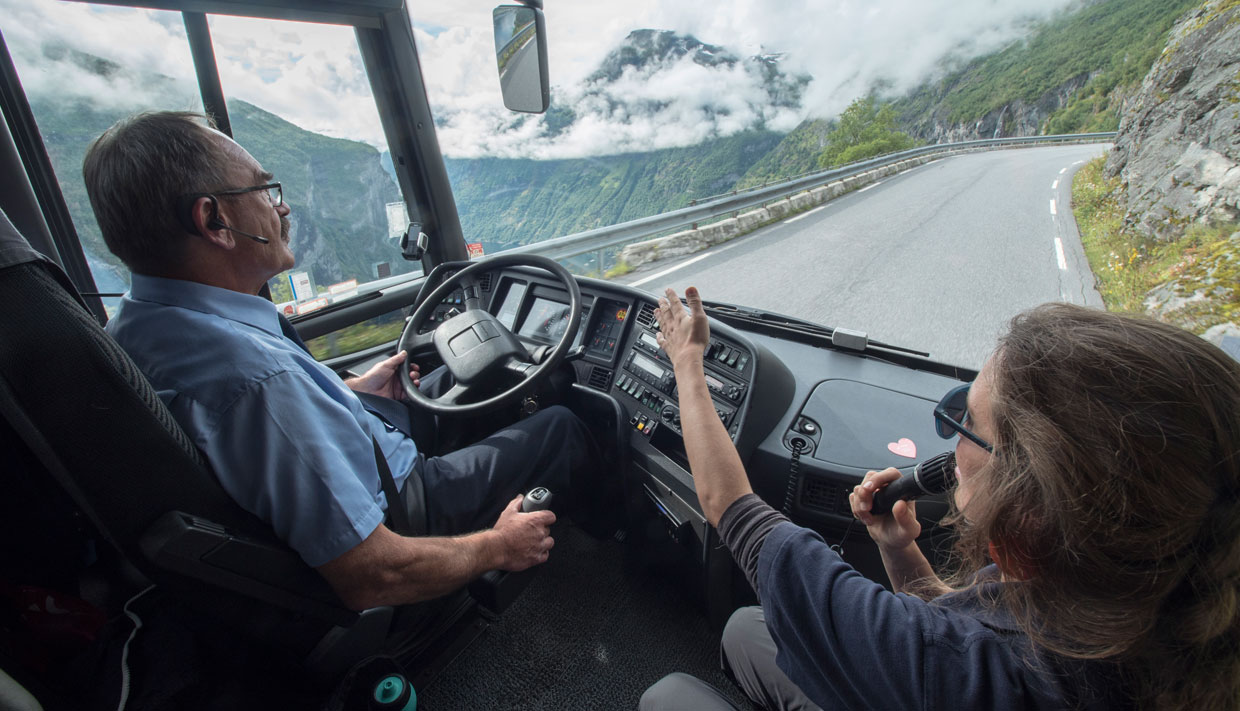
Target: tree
[866, 129]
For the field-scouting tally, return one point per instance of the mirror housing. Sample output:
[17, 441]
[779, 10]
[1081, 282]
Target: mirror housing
[521, 57]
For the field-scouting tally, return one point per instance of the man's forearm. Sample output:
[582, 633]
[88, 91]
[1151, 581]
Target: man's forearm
[718, 474]
[389, 569]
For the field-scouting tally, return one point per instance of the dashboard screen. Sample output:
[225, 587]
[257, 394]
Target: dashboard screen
[608, 329]
[546, 320]
[648, 365]
[512, 302]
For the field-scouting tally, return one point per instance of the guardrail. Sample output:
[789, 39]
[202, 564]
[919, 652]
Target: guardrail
[604, 238]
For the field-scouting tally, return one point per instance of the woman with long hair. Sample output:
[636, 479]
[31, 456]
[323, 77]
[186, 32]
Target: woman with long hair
[1098, 548]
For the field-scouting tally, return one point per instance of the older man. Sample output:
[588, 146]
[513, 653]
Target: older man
[202, 227]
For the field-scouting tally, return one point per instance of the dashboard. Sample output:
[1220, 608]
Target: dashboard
[807, 420]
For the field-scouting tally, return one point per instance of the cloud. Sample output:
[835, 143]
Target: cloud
[312, 74]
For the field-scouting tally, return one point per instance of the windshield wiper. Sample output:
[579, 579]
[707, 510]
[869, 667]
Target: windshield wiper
[837, 337]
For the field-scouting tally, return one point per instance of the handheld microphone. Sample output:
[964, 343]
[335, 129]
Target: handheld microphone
[932, 476]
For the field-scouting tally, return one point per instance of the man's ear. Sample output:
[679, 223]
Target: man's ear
[200, 216]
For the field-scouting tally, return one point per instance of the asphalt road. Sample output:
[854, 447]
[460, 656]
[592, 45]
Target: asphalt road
[937, 258]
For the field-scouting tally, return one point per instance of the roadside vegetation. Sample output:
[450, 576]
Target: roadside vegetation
[1192, 282]
[866, 129]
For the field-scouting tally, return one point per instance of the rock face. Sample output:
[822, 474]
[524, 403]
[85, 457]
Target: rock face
[1178, 150]
[1018, 118]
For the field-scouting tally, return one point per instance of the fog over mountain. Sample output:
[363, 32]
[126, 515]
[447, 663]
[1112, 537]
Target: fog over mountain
[826, 52]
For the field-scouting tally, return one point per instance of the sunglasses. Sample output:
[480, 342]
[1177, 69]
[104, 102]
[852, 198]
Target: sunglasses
[950, 414]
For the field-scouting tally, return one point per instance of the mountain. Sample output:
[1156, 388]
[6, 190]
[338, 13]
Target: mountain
[633, 100]
[506, 202]
[645, 53]
[1071, 74]
[337, 188]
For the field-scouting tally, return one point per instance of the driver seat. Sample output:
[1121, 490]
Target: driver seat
[93, 428]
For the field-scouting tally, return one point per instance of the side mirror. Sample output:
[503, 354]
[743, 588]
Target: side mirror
[521, 55]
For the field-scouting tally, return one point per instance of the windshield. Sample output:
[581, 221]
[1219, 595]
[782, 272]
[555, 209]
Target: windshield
[659, 108]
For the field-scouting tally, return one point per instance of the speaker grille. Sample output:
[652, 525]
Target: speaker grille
[824, 495]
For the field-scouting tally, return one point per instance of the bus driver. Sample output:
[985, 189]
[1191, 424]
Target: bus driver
[288, 439]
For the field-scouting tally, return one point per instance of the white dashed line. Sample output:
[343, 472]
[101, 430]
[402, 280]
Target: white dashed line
[1078, 162]
[871, 185]
[804, 215]
[1062, 171]
[1054, 211]
[1055, 185]
[1063, 263]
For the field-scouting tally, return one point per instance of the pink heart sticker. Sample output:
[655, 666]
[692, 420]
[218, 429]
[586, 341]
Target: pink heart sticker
[905, 448]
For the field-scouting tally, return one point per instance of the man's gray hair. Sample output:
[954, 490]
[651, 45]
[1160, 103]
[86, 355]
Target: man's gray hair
[134, 174]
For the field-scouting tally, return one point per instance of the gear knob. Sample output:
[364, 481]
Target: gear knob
[537, 500]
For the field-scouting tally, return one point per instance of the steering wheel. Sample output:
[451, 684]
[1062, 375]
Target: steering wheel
[479, 350]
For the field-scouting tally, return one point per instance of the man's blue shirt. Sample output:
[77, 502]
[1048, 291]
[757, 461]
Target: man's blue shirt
[285, 436]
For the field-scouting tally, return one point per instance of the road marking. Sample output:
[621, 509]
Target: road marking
[871, 185]
[1078, 162]
[1055, 185]
[1053, 210]
[1062, 171]
[804, 215]
[1063, 263]
[665, 272]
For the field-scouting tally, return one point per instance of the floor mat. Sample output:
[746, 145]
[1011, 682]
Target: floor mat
[586, 634]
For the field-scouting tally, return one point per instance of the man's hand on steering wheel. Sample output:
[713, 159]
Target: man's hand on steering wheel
[382, 378]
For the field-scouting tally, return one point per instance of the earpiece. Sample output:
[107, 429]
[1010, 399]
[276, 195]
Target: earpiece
[185, 213]
[214, 222]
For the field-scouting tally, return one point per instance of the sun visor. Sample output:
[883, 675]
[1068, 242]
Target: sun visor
[864, 426]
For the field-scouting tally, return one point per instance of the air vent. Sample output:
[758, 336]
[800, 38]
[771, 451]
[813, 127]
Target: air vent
[600, 378]
[646, 316]
[824, 495]
[486, 282]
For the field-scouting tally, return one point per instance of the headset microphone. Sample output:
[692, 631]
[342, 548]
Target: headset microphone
[185, 216]
[933, 476]
[219, 225]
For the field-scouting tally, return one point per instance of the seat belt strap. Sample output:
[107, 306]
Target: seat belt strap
[395, 505]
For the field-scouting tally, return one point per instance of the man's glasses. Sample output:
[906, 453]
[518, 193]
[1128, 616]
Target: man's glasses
[950, 414]
[275, 193]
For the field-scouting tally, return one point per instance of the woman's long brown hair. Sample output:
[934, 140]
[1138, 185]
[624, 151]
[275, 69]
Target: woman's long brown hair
[1115, 482]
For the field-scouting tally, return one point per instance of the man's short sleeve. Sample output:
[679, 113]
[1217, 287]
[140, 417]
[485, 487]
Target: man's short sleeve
[295, 457]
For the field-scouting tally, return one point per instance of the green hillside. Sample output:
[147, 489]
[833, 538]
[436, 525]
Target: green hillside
[796, 154]
[1106, 48]
[1112, 43]
[336, 188]
[505, 202]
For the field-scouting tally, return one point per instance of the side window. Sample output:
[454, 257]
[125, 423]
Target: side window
[80, 80]
[299, 101]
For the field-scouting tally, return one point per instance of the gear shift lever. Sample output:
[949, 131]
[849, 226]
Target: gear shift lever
[537, 500]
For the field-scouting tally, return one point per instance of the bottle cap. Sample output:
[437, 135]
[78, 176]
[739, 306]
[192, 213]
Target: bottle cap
[394, 693]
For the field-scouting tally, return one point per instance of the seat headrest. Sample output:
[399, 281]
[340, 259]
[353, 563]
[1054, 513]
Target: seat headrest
[14, 249]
